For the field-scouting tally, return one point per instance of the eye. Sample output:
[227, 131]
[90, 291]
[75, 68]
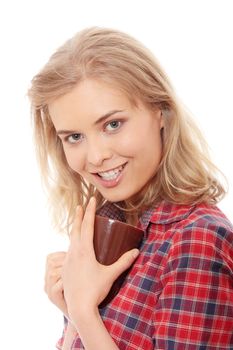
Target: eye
[113, 125]
[74, 138]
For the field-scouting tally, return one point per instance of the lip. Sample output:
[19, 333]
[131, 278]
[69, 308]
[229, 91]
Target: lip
[110, 183]
[105, 171]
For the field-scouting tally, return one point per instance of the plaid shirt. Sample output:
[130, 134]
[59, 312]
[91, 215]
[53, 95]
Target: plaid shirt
[179, 292]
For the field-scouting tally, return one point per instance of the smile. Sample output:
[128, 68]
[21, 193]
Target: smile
[111, 174]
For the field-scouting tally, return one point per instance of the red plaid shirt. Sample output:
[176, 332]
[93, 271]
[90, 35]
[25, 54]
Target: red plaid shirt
[179, 292]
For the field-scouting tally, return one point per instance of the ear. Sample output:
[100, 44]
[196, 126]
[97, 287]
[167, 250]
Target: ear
[161, 119]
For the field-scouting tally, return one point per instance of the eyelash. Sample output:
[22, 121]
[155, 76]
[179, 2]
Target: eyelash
[119, 123]
[70, 138]
[67, 138]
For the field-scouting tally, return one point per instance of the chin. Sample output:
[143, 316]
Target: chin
[114, 198]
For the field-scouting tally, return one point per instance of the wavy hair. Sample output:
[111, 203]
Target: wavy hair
[185, 175]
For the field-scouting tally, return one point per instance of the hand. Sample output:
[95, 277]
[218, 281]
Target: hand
[53, 282]
[86, 282]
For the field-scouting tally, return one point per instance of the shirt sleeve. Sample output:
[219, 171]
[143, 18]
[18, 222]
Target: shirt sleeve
[60, 342]
[195, 307]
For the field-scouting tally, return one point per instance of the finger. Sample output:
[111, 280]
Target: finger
[123, 263]
[56, 256]
[58, 286]
[58, 297]
[87, 231]
[53, 274]
[52, 277]
[55, 294]
[54, 260]
[55, 287]
[76, 228]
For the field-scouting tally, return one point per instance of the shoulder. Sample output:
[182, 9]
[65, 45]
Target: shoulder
[204, 238]
[201, 231]
[207, 224]
[189, 219]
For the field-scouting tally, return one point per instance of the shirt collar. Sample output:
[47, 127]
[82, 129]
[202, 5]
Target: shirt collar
[162, 214]
[165, 213]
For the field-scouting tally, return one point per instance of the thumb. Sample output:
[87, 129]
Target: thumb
[124, 262]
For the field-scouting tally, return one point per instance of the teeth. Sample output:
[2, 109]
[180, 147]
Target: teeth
[112, 174]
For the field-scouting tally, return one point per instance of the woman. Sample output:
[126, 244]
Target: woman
[112, 137]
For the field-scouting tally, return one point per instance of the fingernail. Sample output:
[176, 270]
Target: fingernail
[135, 253]
[92, 200]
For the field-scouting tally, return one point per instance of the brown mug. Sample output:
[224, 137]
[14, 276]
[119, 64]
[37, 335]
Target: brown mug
[112, 238]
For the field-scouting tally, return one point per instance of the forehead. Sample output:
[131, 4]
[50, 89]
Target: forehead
[90, 98]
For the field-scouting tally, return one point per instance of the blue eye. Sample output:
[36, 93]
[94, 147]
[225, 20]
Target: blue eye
[113, 125]
[74, 138]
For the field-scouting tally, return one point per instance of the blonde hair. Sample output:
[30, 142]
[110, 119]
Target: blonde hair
[185, 175]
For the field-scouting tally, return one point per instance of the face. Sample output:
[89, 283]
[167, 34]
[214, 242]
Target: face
[112, 144]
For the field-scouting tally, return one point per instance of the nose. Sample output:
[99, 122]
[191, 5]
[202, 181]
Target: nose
[97, 151]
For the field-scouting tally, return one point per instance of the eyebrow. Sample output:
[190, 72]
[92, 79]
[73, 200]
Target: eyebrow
[98, 121]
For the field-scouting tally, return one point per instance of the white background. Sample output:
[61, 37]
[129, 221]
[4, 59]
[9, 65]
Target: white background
[192, 40]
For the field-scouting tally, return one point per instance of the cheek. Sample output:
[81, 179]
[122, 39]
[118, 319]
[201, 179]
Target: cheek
[146, 142]
[128, 144]
[74, 159]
